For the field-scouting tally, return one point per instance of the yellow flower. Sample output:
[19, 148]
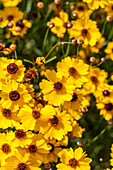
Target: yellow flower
[71, 160]
[95, 4]
[57, 89]
[55, 123]
[8, 118]
[14, 96]
[86, 29]
[80, 9]
[109, 50]
[109, 9]
[95, 77]
[74, 69]
[60, 23]
[13, 69]
[98, 45]
[11, 3]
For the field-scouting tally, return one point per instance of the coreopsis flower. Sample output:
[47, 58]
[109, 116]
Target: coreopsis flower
[109, 50]
[19, 161]
[14, 96]
[10, 3]
[6, 147]
[31, 118]
[60, 23]
[86, 29]
[76, 131]
[74, 69]
[95, 4]
[104, 93]
[20, 27]
[55, 123]
[95, 77]
[11, 14]
[79, 10]
[13, 69]
[73, 159]
[57, 89]
[8, 118]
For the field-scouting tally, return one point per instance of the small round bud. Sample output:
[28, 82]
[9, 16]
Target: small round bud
[103, 59]
[69, 25]
[101, 159]
[74, 42]
[83, 109]
[50, 24]
[80, 41]
[40, 61]
[1, 19]
[6, 51]
[92, 59]
[74, 15]
[57, 2]
[40, 5]
[12, 47]
[109, 18]
[67, 3]
[80, 143]
[84, 130]
[109, 122]
[72, 7]
[17, 29]
[10, 25]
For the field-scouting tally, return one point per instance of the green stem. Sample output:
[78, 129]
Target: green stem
[15, 55]
[103, 29]
[98, 64]
[45, 38]
[28, 61]
[29, 5]
[111, 33]
[52, 49]
[68, 47]
[51, 59]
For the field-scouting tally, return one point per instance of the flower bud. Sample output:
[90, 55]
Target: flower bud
[12, 47]
[80, 41]
[92, 59]
[40, 5]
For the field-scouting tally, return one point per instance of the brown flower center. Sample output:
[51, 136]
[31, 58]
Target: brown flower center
[32, 148]
[52, 147]
[1, 19]
[106, 93]
[22, 166]
[74, 97]
[80, 8]
[54, 121]
[28, 76]
[109, 106]
[72, 71]
[20, 134]
[84, 32]
[14, 95]
[36, 114]
[94, 79]
[6, 148]
[12, 68]
[65, 24]
[73, 163]
[58, 86]
[6, 112]
[10, 17]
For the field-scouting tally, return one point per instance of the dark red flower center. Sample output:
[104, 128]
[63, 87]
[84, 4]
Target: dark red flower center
[6, 112]
[73, 163]
[22, 166]
[58, 86]
[74, 97]
[14, 95]
[10, 17]
[80, 8]
[36, 114]
[12, 68]
[6, 148]
[109, 106]
[54, 121]
[72, 71]
[84, 32]
[32, 148]
[94, 79]
[106, 93]
[20, 134]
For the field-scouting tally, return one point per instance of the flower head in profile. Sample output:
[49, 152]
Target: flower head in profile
[71, 160]
[55, 123]
[14, 96]
[57, 89]
[74, 69]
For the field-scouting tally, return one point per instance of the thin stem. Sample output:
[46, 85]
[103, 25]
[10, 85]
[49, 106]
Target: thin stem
[103, 29]
[29, 5]
[52, 49]
[28, 61]
[15, 55]
[68, 47]
[45, 38]
[111, 33]
[98, 64]
[51, 59]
